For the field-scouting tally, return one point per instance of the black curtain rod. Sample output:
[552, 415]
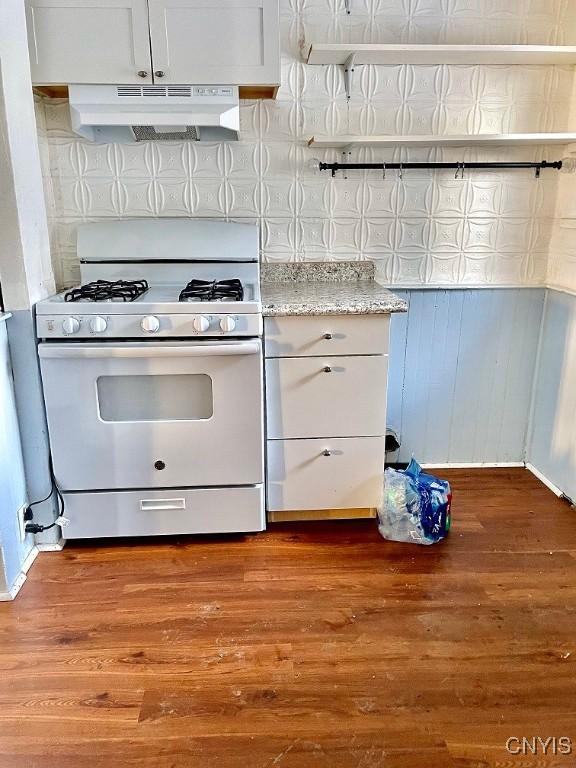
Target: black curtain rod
[462, 167]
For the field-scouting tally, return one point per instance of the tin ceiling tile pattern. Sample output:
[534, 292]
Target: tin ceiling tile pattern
[422, 229]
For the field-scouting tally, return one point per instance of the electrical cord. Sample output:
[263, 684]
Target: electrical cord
[31, 527]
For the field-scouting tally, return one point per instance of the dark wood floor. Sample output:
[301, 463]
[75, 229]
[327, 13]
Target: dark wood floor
[316, 644]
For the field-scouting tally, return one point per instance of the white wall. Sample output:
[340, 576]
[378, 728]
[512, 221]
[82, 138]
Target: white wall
[562, 252]
[552, 447]
[460, 374]
[13, 551]
[25, 267]
[428, 229]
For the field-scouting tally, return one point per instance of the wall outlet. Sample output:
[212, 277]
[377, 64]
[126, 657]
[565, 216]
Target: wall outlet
[22, 522]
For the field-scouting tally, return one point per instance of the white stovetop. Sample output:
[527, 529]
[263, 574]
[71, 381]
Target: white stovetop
[158, 299]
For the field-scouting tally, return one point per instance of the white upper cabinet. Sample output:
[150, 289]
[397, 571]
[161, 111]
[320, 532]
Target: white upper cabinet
[88, 41]
[233, 42]
[215, 41]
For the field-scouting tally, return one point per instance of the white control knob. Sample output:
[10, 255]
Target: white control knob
[228, 324]
[150, 324]
[98, 324]
[201, 323]
[70, 325]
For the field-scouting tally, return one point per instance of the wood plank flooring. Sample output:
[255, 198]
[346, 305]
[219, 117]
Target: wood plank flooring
[313, 645]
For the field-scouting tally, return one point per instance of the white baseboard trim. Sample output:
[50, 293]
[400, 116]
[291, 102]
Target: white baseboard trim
[544, 479]
[56, 546]
[21, 578]
[476, 465]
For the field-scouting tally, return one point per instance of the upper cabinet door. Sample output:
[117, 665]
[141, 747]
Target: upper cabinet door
[227, 42]
[89, 41]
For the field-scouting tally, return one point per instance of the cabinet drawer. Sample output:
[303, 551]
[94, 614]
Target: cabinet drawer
[96, 514]
[326, 396]
[326, 335]
[301, 476]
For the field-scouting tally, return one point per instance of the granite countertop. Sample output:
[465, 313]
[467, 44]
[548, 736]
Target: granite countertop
[330, 288]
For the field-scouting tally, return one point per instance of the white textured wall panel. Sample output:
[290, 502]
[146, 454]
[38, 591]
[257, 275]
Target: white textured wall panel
[552, 446]
[461, 372]
[424, 229]
[12, 481]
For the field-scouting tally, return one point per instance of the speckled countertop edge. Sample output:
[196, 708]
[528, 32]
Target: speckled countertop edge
[325, 288]
[317, 271]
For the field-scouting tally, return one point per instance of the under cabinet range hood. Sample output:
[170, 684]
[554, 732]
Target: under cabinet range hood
[121, 113]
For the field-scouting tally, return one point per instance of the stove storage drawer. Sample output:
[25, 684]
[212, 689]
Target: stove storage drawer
[326, 335]
[325, 473]
[164, 512]
[326, 396]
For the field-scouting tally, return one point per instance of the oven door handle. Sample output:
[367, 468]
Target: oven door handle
[149, 350]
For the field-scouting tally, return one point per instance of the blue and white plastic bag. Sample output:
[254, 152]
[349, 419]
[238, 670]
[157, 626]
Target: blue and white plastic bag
[416, 506]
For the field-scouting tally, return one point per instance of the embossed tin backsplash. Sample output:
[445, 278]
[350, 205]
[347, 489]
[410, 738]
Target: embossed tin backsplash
[427, 228]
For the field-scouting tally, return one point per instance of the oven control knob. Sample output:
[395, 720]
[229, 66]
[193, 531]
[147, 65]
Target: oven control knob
[70, 325]
[150, 324]
[98, 324]
[228, 324]
[201, 323]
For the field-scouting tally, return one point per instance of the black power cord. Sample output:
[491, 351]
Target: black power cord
[31, 527]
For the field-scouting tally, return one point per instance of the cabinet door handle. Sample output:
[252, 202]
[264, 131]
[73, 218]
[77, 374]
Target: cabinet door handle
[142, 73]
[159, 73]
[327, 335]
[327, 369]
[326, 452]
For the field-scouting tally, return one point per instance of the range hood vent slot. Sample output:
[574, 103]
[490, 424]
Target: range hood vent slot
[154, 90]
[129, 90]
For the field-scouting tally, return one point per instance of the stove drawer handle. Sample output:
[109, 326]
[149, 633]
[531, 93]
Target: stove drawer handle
[148, 349]
[147, 505]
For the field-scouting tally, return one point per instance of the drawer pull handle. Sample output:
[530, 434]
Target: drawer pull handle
[326, 452]
[327, 335]
[161, 504]
[327, 369]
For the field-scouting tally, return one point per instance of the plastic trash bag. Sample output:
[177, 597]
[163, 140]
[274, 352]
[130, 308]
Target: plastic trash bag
[416, 506]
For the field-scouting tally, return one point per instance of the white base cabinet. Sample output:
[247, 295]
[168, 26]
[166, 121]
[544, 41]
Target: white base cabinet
[325, 411]
[325, 473]
[326, 396]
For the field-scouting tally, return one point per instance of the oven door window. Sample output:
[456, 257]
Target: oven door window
[173, 397]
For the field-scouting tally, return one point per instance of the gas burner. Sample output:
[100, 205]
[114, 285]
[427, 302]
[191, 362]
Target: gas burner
[215, 290]
[107, 290]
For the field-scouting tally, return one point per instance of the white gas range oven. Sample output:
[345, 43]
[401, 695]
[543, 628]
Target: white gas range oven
[153, 383]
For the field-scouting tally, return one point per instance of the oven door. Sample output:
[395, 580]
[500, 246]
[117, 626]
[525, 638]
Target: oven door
[147, 414]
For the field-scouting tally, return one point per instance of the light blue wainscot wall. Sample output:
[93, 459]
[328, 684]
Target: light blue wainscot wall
[461, 374]
[552, 444]
[13, 550]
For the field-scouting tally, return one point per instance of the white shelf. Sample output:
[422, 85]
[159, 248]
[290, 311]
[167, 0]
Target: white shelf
[384, 53]
[487, 139]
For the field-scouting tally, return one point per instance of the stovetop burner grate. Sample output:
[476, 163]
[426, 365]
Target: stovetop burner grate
[215, 290]
[108, 290]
